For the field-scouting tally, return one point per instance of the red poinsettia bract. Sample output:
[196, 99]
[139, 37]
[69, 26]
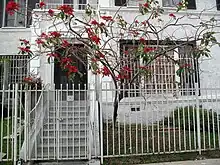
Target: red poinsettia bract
[51, 12]
[105, 71]
[42, 4]
[24, 49]
[26, 42]
[107, 18]
[55, 34]
[172, 15]
[11, 7]
[148, 49]
[68, 10]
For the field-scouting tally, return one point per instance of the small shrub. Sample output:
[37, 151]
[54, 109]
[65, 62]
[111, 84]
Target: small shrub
[187, 117]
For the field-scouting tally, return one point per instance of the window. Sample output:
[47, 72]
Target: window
[162, 74]
[13, 69]
[172, 3]
[218, 4]
[166, 3]
[23, 19]
[76, 4]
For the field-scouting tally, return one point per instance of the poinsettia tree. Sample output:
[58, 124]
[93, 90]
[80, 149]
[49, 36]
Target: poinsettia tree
[101, 34]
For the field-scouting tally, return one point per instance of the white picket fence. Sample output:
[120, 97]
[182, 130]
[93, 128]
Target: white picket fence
[76, 122]
[162, 121]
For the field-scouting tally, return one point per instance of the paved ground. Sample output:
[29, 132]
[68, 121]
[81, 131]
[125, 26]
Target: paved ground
[195, 162]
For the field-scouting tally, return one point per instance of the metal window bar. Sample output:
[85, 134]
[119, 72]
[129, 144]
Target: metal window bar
[170, 3]
[13, 68]
[162, 71]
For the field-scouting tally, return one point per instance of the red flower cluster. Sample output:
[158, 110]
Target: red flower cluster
[68, 10]
[71, 69]
[93, 36]
[39, 41]
[148, 49]
[11, 7]
[172, 15]
[26, 42]
[107, 18]
[146, 5]
[66, 60]
[126, 69]
[55, 34]
[65, 44]
[105, 71]
[142, 40]
[42, 4]
[51, 12]
[94, 22]
[28, 79]
[24, 50]
[122, 76]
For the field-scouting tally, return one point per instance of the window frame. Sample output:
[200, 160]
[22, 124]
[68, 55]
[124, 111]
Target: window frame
[28, 4]
[178, 79]
[160, 2]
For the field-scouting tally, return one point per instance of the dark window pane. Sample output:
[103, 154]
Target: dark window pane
[218, 4]
[120, 2]
[191, 4]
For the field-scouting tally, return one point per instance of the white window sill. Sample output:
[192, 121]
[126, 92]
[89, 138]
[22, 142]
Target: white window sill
[14, 29]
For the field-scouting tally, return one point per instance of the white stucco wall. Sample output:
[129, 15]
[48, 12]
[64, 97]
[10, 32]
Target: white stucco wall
[209, 67]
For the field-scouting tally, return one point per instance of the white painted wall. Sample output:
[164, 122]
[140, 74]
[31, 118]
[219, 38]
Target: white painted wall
[209, 74]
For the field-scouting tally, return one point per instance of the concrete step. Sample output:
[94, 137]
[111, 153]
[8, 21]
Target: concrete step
[72, 103]
[67, 133]
[69, 126]
[68, 113]
[69, 120]
[69, 162]
[69, 108]
[64, 152]
[62, 142]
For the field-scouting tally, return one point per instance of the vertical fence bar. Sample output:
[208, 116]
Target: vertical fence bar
[9, 93]
[198, 119]
[79, 109]
[2, 120]
[73, 119]
[15, 123]
[101, 123]
[26, 125]
[48, 121]
[216, 95]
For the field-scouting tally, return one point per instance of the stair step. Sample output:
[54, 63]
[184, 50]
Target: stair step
[62, 142]
[68, 113]
[69, 152]
[69, 126]
[65, 133]
[69, 120]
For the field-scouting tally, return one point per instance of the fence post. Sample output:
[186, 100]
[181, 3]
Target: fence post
[198, 119]
[101, 123]
[26, 125]
[15, 122]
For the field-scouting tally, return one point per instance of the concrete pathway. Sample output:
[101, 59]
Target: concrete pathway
[195, 162]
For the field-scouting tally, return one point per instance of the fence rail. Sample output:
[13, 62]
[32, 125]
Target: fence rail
[161, 123]
[77, 122]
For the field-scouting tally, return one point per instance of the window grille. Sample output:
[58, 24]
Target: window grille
[13, 69]
[22, 18]
[162, 72]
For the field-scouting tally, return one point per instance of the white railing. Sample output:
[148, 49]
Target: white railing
[11, 122]
[75, 122]
[75, 6]
[150, 123]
